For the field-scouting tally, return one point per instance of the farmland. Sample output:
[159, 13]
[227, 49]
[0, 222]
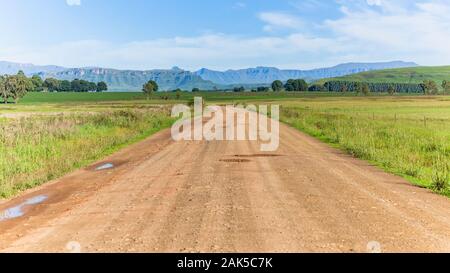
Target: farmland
[408, 136]
[71, 98]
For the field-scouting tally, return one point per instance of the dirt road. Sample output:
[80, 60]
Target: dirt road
[165, 196]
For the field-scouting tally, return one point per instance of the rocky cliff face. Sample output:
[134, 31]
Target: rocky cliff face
[205, 79]
[265, 75]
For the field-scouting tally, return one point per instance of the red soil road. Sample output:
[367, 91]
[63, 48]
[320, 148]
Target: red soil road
[166, 196]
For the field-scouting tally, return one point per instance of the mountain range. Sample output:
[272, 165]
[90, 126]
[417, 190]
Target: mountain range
[205, 79]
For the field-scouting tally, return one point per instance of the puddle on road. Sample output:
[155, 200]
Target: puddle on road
[105, 167]
[17, 211]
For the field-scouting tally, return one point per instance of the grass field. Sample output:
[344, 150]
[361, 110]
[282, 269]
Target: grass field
[400, 75]
[409, 137]
[168, 97]
[405, 135]
[37, 148]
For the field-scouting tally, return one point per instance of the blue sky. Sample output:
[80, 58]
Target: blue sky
[223, 34]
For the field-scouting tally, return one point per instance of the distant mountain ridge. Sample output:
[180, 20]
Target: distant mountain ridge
[133, 80]
[205, 79]
[13, 68]
[265, 75]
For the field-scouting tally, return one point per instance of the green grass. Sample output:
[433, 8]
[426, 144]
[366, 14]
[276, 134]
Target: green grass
[37, 149]
[400, 75]
[166, 97]
[407, 137]
[34, 97]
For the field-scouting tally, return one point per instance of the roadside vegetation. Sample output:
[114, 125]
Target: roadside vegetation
[39, 148]
[407, 134]
[409, 137]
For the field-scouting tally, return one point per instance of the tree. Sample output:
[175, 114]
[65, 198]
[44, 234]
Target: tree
[75, 85]
[296, 85]
[92, 87]
[16, 86]
[195, 89]
[290, 85]
[86, 86]
[38, 83]
[277, 86]
[65, 86]
[317, 88]
[4, 93]
[263, 89]
[149, 88]
[239, 89]
[446, 86]
[51, 84]
[344, 88]
[102, 86]
[302, 85]
[391, 90]
[430, 87]
[365, 89]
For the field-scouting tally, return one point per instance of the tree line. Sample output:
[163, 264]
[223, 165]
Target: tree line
[76, 85]
[363, 87]
[300, 85]
[428, 87]
[16, 86]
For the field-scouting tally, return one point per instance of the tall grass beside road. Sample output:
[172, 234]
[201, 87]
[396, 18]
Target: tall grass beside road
[37, 149]
[407, 138]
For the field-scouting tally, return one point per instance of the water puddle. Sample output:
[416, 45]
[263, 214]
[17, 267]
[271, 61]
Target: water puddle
[105, 167]
[17, 211]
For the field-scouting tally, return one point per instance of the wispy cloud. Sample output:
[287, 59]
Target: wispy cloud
[280, 20]
[73, 2]
[239, 5]
[217, 51]
[359, 30]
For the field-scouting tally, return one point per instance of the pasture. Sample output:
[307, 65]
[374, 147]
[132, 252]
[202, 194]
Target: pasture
[405, 135]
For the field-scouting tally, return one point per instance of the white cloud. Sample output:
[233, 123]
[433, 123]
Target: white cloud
[73, 2]
[239, 5]
[280, 20]
[216, 51]
[377, 31]
[374, 2]
[415, 32]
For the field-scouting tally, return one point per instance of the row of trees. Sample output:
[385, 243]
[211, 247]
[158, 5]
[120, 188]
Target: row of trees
[54, 85]
[362, 87]
[16, 86]
[277, 86]
[427, 87]
[291, 85]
